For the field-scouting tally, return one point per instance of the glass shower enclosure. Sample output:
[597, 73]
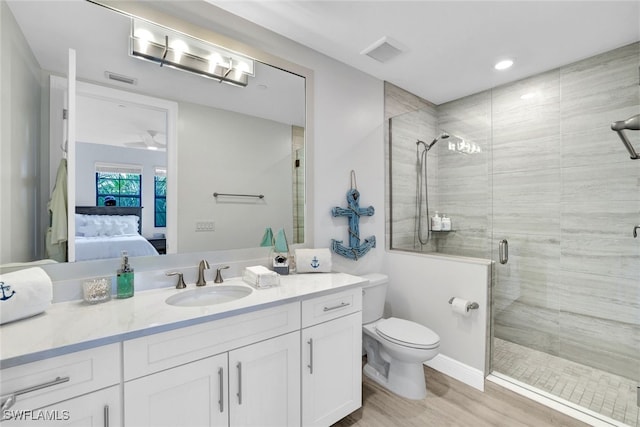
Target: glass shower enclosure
[534, 178]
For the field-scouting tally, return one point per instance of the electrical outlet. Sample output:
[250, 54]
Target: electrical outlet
[205, 226]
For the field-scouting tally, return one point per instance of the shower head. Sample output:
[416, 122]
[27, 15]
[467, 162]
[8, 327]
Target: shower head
[443, 135]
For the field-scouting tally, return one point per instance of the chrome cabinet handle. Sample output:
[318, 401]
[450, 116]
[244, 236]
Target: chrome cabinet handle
[503, 251]
[10, 400]
[221, 390]
[106, 415]
[335, 307]
[239, 394]
[310, 365]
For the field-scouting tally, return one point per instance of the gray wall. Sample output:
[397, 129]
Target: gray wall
[20, 205]
[554, 180]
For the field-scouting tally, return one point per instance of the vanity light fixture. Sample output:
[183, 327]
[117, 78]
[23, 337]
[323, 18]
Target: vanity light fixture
[170, 48]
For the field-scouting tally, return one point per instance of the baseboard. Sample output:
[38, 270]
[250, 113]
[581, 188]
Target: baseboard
[461, 372]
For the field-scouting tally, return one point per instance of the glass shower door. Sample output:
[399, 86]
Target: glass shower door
[566, 197]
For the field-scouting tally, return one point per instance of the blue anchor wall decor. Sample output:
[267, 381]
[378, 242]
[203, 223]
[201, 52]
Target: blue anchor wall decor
[355, 250]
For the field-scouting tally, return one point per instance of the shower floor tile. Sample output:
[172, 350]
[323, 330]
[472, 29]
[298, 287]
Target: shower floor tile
[599, 391]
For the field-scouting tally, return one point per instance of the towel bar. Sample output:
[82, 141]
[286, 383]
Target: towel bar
[258, 196]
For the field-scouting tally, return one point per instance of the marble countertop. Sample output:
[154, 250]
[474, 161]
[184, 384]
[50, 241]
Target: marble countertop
[72, 326]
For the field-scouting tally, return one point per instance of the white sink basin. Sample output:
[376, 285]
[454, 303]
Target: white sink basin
[209, 295]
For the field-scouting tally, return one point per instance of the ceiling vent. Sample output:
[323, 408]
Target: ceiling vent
[120, 78]
[383, 50]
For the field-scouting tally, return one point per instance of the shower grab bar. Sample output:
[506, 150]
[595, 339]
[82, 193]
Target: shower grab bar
[257, 196]
[503, 251]
[632, 123]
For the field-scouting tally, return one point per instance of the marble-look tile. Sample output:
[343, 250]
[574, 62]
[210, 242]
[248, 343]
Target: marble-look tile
[597, 219]
[398, 101]
[601, 343]
[600, 90]
[603, 256]
[605, 297]
[526, 153]
[533, 327]
[594, 147]
[606, 182]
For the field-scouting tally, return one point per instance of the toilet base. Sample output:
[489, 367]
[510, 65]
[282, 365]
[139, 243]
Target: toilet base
[404, 379]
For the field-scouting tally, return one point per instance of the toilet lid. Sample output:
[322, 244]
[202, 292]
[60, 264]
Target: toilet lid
[405, 332]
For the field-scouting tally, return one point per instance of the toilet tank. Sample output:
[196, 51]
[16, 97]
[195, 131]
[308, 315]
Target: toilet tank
[373, 297]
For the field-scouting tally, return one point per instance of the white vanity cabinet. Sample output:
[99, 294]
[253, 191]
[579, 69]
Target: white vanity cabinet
[331, 357]
[239, 371]
[264, 383]
[76, 389]
[195, 394]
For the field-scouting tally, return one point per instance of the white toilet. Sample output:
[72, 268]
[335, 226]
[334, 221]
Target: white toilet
[395, 348]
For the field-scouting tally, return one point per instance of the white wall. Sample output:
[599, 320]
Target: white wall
[19, 146]
[420, 290]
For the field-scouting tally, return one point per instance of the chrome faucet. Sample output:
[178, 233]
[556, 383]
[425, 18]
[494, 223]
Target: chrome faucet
[219, 278]
[204, 265]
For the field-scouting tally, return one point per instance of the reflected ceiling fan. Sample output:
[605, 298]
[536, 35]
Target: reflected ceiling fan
[148, 141]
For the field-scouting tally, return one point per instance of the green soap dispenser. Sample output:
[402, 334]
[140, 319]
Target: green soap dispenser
[125, 278]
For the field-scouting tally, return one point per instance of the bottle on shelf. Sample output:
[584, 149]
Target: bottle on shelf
[446, 223]
[436, 222]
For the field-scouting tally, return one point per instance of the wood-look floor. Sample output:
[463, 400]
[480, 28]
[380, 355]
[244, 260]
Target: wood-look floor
[452, 403]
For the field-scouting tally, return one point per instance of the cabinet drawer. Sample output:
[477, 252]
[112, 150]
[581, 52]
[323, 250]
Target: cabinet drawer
[153, 353]
[332, 306]
[86, 370]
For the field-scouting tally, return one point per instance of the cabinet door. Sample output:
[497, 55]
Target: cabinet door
[194, 394]
[331, 370]
[97, 409]
[264, 383]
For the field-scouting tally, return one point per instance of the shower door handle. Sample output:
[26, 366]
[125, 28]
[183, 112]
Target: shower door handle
[503, 251]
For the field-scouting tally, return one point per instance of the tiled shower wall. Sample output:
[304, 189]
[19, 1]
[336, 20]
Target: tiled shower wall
[557, 183]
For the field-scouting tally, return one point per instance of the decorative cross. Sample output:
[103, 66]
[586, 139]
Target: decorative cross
[355, 250]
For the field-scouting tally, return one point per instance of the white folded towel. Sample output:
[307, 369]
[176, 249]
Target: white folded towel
[260, 277]
[313, 260]
[24, 293]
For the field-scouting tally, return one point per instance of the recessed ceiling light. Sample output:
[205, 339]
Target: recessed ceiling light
[503, 65]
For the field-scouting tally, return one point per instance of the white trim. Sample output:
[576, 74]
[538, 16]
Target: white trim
[461, 372]
[561, 405]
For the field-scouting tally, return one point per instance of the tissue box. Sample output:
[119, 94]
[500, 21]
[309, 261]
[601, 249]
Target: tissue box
[260, 277]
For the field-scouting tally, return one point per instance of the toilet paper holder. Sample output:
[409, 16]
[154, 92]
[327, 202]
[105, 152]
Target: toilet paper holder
[471, 306]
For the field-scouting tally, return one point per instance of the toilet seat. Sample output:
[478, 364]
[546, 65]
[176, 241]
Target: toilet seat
[407, 333]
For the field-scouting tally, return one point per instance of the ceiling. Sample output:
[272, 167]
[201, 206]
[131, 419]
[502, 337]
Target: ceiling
[450, 47]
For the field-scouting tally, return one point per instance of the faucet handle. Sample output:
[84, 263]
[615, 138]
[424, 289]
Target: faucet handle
[181, 284]
[218, 278]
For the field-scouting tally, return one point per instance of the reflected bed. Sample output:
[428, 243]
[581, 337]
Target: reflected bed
[103, 232]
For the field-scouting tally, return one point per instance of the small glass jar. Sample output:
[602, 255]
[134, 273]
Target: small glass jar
[96, 290]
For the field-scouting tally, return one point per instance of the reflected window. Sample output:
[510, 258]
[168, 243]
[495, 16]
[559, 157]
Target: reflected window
[160, 197]
[119, 185]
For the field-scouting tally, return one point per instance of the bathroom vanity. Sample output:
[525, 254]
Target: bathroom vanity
[284, 356]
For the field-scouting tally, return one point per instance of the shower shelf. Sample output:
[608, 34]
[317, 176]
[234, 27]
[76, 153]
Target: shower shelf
[443, 231]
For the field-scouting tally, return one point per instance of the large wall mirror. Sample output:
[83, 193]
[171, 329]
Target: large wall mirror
[229, 140]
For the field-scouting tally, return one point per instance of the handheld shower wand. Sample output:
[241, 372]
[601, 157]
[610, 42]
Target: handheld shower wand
[632, 123]
[443, 135]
